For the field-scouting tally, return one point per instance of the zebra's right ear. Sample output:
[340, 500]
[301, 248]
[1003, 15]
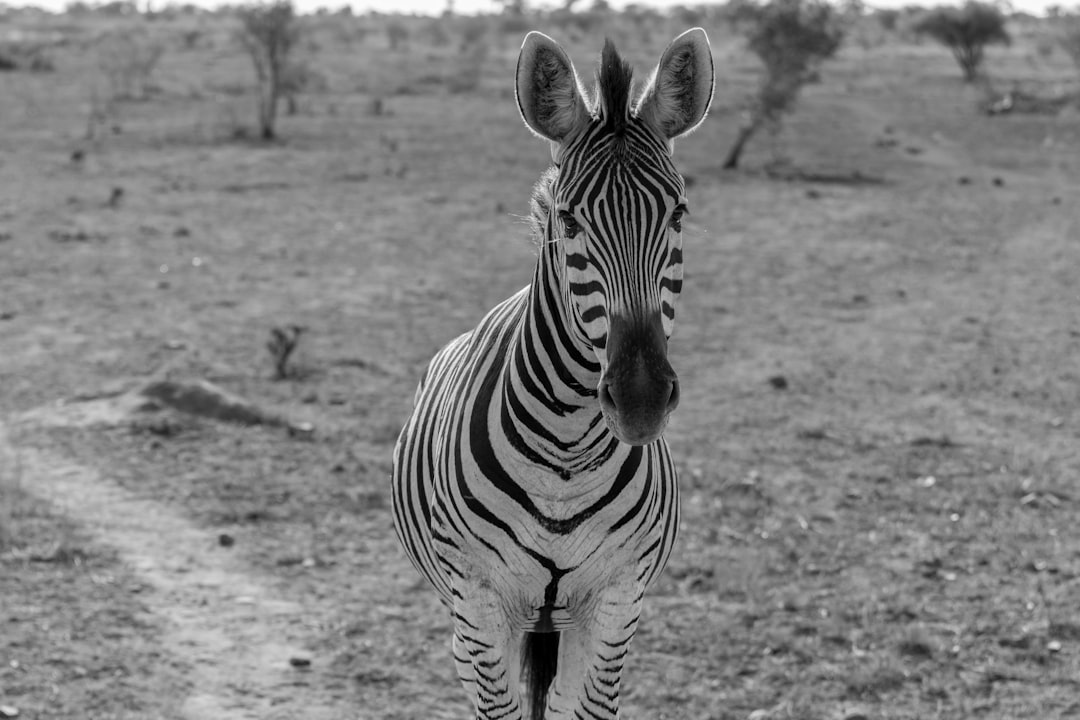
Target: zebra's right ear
[549, 93]
[678, 94]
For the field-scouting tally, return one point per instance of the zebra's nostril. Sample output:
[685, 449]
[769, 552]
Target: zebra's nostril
[603, 393]
[673, 399]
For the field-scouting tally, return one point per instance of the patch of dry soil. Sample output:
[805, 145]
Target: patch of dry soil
[236, 634]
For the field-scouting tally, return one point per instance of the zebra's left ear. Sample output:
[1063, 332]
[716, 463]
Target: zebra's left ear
[677, 96]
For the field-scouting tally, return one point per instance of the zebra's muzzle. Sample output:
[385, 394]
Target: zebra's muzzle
[638, 389]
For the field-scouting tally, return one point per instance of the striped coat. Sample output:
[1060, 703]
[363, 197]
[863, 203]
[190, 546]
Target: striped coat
[532, 485]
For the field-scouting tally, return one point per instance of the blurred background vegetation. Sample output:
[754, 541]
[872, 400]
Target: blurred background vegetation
[767, 52]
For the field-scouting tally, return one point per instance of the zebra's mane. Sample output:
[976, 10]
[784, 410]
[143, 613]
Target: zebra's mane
[615, 81]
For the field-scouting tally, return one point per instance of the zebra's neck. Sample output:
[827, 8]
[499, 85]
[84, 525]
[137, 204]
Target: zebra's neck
[548, 411]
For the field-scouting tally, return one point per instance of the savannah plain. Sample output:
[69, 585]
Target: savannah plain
[878, 343]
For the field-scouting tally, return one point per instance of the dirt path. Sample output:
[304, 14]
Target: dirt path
[231, 629]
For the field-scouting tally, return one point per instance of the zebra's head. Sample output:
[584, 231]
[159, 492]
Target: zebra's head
[617, 204]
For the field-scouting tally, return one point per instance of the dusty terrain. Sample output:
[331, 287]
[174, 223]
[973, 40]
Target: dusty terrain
[878, 438]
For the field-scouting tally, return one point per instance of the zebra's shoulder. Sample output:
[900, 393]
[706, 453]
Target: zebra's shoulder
[500, 322]
[473, 347]
[513, 307]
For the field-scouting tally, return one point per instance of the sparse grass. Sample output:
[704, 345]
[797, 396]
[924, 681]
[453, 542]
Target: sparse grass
[75, 634]
[11, 499]
[875, 680]
[26, 521]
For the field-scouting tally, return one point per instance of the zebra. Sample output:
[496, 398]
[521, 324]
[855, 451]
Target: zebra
[531, 484]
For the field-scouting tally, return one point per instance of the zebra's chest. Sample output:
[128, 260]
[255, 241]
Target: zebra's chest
[553, 585]
[535, 537]
[547, 556]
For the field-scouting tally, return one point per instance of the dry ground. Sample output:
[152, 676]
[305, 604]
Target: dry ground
[878, 437]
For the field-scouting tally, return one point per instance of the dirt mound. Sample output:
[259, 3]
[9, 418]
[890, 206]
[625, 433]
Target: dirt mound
[198, 398]
[824, 177]
[204, 399]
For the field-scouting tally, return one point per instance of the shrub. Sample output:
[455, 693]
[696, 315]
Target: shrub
[190, 39]
[887, 18]
[469, 69]
[269, 33]
[966, 31]
[31, 57]
[397, 35]
[1070, 38]
[791, 38]
[515, 24]
[117, 8]
[583, 22]
[128, 58]
[435, 30]
[296, 79]
[644, 21]
[282, 343]
[473, 31]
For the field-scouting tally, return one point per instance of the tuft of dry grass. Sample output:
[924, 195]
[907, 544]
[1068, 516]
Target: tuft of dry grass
[917, 644]
[27, 530]
[875, 680]
[13, 505]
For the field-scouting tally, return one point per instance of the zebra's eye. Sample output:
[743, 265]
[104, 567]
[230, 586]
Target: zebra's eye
[676, 218]
[570, 225]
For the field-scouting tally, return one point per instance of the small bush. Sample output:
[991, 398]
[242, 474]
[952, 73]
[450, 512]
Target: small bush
[887, 18]
[473, 31]
[282, 344]
[580, 24]
[644, 21]
[1045, 46]
[469, 69]
[191, 39]
[515, 24]
[298, 78]
[128, 59]
[397, 35]
[1070, 38]
[435, 30]
[28, 57]
[966, 31]
[791, 38]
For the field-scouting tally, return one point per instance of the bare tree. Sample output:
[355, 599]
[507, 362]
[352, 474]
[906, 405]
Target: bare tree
[966, 31]
[791, 38]
[269, 33]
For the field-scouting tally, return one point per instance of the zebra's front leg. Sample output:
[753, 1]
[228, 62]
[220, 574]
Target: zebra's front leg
[488, 656]
[591, 659]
